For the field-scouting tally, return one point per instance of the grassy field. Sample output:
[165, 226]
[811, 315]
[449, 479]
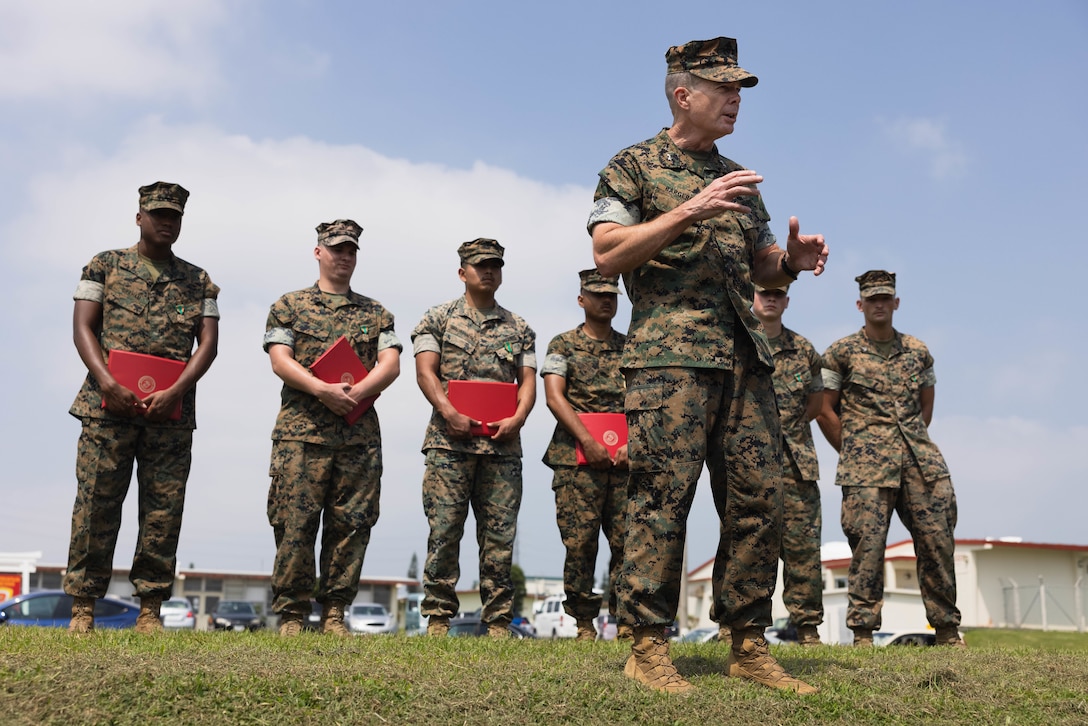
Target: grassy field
[47, 676]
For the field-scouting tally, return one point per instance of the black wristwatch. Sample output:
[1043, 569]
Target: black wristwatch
[786, 268]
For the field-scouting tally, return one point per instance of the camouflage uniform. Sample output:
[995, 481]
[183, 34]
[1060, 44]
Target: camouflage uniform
[158, 316]
[796, 376]
[699, 390]
[325, 472]
[587, 500]
[888, 462]
[486, 345]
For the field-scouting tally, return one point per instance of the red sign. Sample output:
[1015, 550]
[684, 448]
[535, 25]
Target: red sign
[11, 584]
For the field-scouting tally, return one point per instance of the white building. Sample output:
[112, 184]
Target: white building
[1004, 583]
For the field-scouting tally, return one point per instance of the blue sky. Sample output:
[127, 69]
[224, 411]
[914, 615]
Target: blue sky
[942, 141]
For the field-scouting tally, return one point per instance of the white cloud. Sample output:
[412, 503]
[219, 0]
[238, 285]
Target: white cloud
[928, 137]
[70, 49]
[250, 222]
[1013, 476]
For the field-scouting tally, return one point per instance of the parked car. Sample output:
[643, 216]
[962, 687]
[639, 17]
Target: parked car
[914, 637]
[700, 635]
[313, 620]
[370, 617]
[471, 625]
[782, 629]
[177, 614]
[709, 634]
[237, 615]
[606, 626]
[551, 621]
[53, 609]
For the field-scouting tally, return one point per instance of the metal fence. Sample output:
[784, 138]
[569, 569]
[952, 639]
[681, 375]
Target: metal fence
[1045, 607]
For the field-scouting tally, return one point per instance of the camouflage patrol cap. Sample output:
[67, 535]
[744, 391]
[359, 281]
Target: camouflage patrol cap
[164, 195]
[476, 251]
[593, 281]
[781, 288]
[876, 282]
[338, 232]
[713, 60]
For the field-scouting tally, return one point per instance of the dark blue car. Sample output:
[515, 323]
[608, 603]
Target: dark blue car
[53, 609]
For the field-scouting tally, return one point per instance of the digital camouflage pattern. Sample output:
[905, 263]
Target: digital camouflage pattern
[593, 281]
[888, 462]
[594, 383]
[476, 251]
[928, 511]
[325, 472]
[164, 195]
[713, 60]
[332, 488]
[587, 500]
[488, 345]
[687, 301]
[802, 576]
[483, 345]
[797, 375]
[875, 282]
[491, 485]
[309, 322]
[338, 232]
[158, 317]
[880, 406]
[679, 418]
[691, 311]
[106, 453]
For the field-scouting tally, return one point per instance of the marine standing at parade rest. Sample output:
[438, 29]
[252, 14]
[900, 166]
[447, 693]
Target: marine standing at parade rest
[878, 404]
[798, 389]
[688, 231]
[581, 373]
[326, 472]
[146, 300]
[472, 338]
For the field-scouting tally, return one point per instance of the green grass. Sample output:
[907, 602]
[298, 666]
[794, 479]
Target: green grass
[47, 676]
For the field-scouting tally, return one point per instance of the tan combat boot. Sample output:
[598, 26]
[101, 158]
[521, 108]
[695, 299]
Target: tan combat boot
[290, 624]
[498, 629]
[650, 664]
[863, 638]
[725, 636]
[438, 626]
[148, 621]
[332, 620]
[749, 658]
[586, 631]
[82, 615]
[950, 636]
[624, 632]
[807, 635]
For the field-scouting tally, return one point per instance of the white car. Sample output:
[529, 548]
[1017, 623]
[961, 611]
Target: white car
[551, 621]
[177, 614]
[905, 637]
[606, 626]
[369, 617]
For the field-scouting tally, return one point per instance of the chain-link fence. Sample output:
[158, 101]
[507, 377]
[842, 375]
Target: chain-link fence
[1045, 607]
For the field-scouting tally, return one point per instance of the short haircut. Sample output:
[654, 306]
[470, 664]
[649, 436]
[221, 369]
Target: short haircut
[689, 81]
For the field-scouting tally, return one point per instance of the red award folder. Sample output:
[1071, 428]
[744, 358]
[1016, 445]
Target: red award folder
[144, 374]
[339, 364]
[484, 401]
[610, 429]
